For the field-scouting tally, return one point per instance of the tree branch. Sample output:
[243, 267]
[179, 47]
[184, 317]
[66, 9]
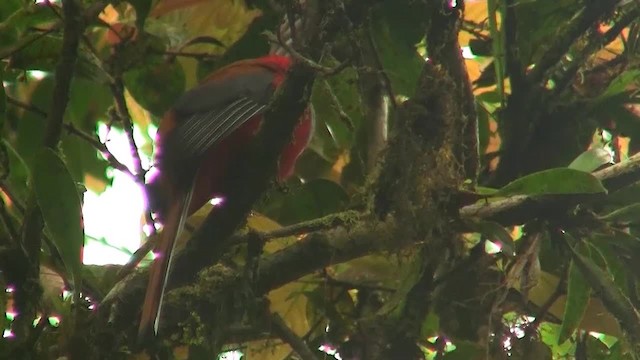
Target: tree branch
[286, 334]
[33, 222]
[586, 18]
[521, 208]
[72, 129]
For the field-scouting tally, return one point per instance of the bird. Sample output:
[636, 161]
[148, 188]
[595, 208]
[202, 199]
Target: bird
[207, 130]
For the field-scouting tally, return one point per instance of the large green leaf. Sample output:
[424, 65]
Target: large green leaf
[612, 297]
[537, 25]
[553, 182]
[30, 126]
[311, 200]
[156, 85]
[396, 32]
[620, 84]
[61, 208]
[88, 104]
[607, 251]
[18, 21]
[578, 294]
[344, 88]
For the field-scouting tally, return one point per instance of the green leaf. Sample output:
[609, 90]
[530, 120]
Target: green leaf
[554, 182]
[332, 133]
[3, 100]
[591, 159]
[156, 86]
[578, 294]
[538, 25]
[430, 325]
[620, 83]
[626, 215]
[396, 41]
[485, 191]
[312, 200]
[465, 350]
[88, 104]
[613, 298]
[605, 253]
[61, 208]
[18, 171]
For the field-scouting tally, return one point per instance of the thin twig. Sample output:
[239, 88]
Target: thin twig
[194, 55]
[285, 333]
[305, 227]
[117, 88]
[72, 129]
[321, 69]
[346, 119]
[32, 108]
[136, 258]
[101, 147]
[544, 309]
[26, 41]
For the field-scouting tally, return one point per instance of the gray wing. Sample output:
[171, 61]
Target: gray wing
[212, 111]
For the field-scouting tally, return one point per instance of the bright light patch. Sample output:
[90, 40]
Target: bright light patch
[147, 229]
[55, 321]
[116, 215]
[10, 289]
[10, 315]
[550, 84]
[152, 130]
[330, 350]
[37, 321]
[217, 201]
[36, 74]
[231, 355]
[7, 334]
[491, 247]
[467, 53]
[449, 346]
[517, 331]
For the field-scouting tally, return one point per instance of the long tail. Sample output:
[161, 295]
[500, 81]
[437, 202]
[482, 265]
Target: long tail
[159, 271]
